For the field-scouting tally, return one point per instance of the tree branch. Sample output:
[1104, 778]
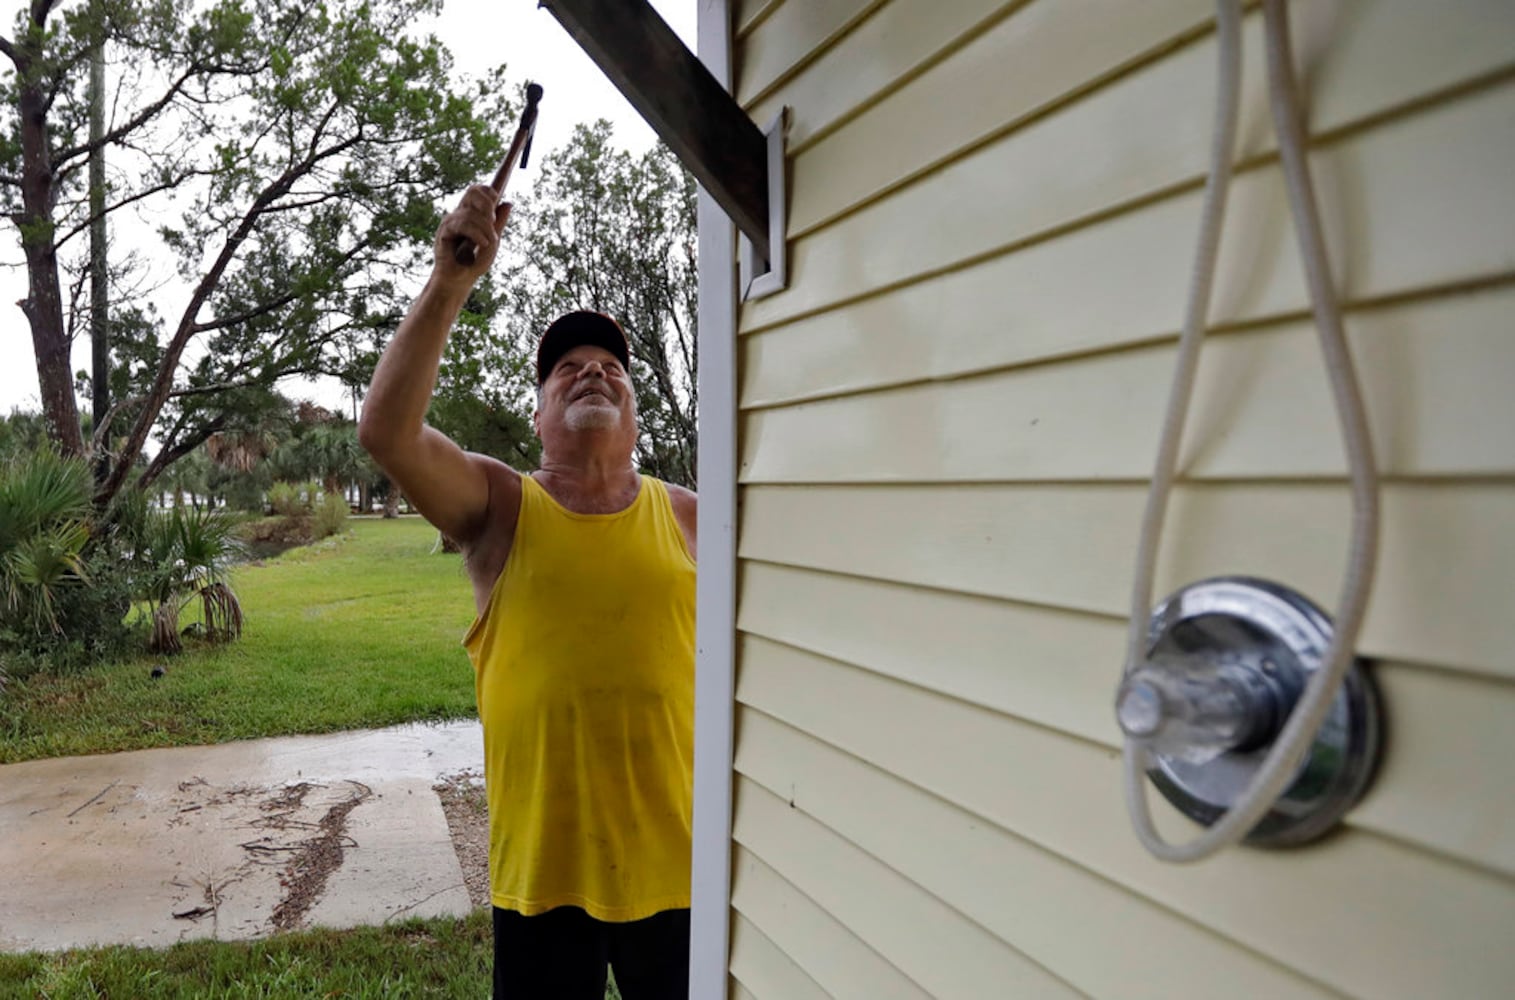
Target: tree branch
[101, 432]
[267, 307]
[186, 329]
[308, 201]
[172, 453]
[145, 193]
[75, 290]
[142, 118]
[62, 74]
[40, 10]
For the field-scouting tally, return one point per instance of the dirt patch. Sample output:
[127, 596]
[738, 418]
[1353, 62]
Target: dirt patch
[306, 845]
[287, 802]
[467, 811]
[270, 536]
[317, 857]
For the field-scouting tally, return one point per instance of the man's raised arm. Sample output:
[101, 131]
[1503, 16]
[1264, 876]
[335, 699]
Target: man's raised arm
[449, 486]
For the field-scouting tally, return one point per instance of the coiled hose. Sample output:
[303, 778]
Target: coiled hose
[1293, 742]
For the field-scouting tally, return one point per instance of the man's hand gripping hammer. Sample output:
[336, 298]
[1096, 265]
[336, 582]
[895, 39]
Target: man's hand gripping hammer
[520, 148]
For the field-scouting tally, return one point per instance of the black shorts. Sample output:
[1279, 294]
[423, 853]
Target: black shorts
[563, 954]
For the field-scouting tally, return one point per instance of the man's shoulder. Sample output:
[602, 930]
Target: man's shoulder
[504, 493]
[680, 496]
[487, 549]
[684, 504]
[495, 468]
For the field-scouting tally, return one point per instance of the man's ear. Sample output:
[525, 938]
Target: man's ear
[536, 422]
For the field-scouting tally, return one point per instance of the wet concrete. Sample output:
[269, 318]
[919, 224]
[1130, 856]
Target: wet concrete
[230, 841]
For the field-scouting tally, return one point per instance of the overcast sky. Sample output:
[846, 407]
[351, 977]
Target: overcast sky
[481, 34]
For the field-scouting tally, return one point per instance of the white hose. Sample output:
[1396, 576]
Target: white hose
[1283, 760]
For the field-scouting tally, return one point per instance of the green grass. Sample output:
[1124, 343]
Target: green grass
[417, 958]
[358, 631]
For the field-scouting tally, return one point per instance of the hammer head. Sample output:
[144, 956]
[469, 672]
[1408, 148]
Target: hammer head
[529, 118]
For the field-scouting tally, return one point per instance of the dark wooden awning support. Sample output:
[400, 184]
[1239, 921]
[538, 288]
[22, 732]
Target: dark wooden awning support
[685, 105]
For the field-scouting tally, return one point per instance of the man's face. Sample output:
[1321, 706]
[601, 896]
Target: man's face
[587, 389]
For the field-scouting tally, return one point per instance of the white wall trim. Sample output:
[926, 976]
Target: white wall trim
[715, 628]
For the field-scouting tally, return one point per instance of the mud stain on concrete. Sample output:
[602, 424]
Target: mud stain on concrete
[316, 858]
[304, 842]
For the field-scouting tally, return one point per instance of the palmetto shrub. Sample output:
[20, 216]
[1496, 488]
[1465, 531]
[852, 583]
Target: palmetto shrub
[65, 587]
[44, 525]
[69, 573]
[187, 552]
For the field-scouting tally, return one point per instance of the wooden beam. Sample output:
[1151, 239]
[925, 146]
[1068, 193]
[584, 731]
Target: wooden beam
[685, 105]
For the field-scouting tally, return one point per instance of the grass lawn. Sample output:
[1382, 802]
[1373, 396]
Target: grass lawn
[430, 958]
[417, 958]
[361, 630]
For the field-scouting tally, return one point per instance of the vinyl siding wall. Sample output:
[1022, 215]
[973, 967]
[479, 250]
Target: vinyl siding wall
[946, 424]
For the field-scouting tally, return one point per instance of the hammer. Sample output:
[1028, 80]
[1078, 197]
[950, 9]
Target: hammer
[520, 146]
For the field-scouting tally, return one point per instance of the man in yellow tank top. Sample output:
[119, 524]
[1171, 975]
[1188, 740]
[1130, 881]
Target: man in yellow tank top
[583, 648]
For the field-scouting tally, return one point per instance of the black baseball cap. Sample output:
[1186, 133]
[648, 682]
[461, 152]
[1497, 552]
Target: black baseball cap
[575, 329]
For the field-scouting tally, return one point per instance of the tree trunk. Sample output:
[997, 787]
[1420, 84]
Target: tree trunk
[43, 305]
[165, 630]
[392, 503]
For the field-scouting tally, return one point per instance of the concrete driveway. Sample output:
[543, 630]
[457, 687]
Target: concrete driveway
[232, 841]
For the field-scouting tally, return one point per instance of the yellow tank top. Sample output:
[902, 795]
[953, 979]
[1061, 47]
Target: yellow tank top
[584, 672]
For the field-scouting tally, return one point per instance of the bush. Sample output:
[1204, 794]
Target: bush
[243, 493]
[44, 527]
[66, 574]
[190, 550]
[330, 515]
[285, 499]
[69, 573]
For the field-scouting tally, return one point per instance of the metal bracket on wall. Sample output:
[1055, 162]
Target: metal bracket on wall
[762, 275]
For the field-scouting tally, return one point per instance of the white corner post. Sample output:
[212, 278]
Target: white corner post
[715, 629]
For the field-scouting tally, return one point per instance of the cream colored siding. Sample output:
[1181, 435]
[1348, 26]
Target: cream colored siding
[739, 992]
[1265, 387]
[1052, 667]
[881, 55]
[769, 970]
[833, 957]
[1444, 548]
[1116, 148]
[996, 878]
[769, 55]
[1050, 55]
[933, 944]
[946, 424]
[746, 14]
[1362, 913]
